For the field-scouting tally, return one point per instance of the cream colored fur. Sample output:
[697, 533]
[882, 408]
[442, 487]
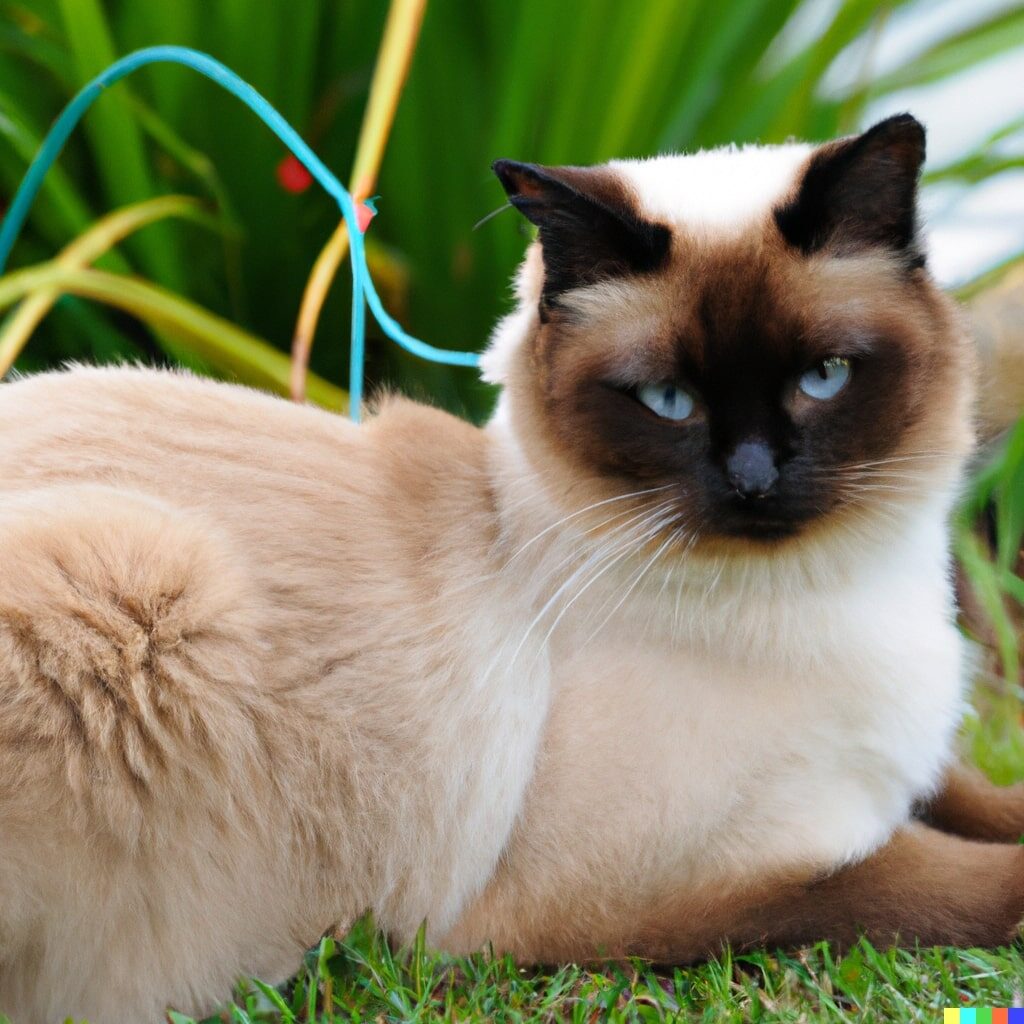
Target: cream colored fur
[242, 695]
[261, 670]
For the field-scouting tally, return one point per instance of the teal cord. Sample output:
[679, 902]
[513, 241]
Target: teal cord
[363, 291]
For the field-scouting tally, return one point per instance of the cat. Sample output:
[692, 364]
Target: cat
[663, 657]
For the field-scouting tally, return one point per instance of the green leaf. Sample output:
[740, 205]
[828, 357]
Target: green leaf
[88, 248]
[60, 210]
[277, 999]
[985, 579]
[112, 130]
[988, 278]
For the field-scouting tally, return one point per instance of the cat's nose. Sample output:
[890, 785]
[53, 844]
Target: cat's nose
[751, 469]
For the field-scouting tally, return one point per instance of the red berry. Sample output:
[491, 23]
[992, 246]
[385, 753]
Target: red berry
[292, 176]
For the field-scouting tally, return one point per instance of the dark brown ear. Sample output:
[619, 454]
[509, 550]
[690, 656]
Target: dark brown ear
[860, 192]
[589, 227]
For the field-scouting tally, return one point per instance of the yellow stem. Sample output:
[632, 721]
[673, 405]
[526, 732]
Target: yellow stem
[397, 47]
[393, 61]
[84, 250]
[313, 297]
[217, 341]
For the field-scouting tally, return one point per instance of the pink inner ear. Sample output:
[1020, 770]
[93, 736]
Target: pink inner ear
[531, 187]
[525, 182]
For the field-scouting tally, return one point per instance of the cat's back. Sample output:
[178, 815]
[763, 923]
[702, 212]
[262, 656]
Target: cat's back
[134, 421]
[328, 526]
[268, 471]
[224, 619]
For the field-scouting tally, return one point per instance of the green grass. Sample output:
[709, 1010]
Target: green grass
[361, 981]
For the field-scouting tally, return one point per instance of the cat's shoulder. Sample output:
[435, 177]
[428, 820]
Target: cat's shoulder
[410, 431]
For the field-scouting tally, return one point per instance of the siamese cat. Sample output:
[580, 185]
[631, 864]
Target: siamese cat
[662, 658]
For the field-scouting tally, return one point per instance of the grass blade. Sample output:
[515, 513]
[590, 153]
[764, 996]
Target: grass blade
[60, 210]
[86, 249]
[218, 342]
[980, 42]
[112, 130]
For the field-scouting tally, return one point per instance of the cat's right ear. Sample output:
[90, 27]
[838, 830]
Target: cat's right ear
[589, 227]
[861, 192]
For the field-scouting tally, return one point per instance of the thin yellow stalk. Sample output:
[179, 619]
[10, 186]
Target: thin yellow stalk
[313, 297]
[84, 250]
[215, 340]
[393, 61]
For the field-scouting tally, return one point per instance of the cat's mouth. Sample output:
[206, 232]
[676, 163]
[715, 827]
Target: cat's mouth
[762, 520]
[762, 529]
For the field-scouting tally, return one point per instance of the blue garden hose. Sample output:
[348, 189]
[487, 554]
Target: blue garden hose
[363, 291]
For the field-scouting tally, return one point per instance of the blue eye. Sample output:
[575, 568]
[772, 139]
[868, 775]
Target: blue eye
[825, 380]
[667, 400]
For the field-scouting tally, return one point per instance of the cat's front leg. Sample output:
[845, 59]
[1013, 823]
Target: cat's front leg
[969, 805]
[924, 886]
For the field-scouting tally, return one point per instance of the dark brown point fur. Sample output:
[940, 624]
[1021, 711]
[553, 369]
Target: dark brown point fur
[860, 191]
[923, 887]
[969, 805]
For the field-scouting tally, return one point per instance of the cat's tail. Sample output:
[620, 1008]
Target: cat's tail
[997, 321]
[129, 659]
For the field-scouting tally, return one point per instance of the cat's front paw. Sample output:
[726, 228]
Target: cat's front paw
[969, 805]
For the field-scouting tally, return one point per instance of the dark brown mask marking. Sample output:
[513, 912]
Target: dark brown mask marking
[756, 458]
[736, 320]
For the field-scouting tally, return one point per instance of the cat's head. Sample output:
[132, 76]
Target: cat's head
[751, 331]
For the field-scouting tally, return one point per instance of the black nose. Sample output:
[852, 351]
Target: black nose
[751, 469]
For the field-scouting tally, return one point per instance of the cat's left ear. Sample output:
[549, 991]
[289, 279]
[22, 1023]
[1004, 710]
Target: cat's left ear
[860, 192]
[589, 227]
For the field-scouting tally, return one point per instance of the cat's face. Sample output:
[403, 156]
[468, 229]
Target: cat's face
[751, 332]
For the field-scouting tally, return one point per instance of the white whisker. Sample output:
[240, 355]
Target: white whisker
[657, 554]
[582, 511]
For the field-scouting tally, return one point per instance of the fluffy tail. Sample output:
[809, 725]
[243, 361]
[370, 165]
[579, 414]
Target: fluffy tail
[128, 662]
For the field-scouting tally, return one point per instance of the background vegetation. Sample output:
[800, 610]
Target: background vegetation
[217, 276]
